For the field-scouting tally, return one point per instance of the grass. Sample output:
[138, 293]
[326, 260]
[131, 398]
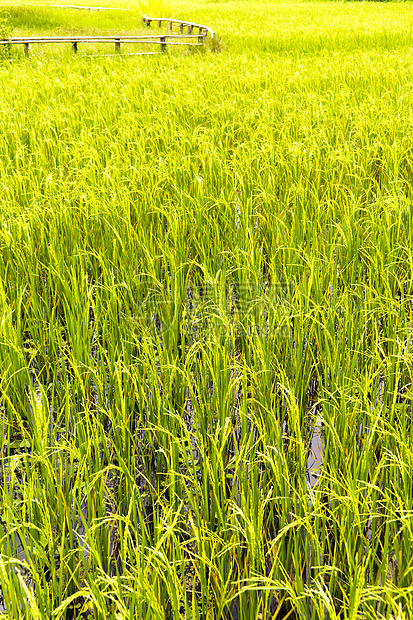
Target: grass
[205, 259]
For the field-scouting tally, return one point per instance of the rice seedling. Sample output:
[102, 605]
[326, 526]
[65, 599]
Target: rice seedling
[205, 264]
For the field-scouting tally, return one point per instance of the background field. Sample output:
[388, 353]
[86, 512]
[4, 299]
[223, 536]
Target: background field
[206, 318]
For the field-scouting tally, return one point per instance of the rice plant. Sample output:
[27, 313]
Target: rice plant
[206, 323]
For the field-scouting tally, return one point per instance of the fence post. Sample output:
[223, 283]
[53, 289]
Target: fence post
[159, 23]
[163, 45]
[74, 46]
[202, 35]
[181, 28]
[26, 49]
[190, 28]
[169, 26]
[117, 45]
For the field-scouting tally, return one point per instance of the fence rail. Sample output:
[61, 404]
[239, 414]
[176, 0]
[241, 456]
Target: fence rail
[181, 25]
[87, 8]
[162, 40]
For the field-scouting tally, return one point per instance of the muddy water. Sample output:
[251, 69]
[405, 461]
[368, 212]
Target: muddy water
[316, 456]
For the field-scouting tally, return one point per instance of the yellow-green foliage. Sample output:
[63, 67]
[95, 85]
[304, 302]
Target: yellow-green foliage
[155, 8]
[204, 260]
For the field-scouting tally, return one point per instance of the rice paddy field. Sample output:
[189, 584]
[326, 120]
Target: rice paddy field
[206, 316]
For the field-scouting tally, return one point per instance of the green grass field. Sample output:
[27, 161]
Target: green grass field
[206, 276]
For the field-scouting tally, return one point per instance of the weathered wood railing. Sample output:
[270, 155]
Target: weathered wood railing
[163, 41]
[181, 25]
[87, 8]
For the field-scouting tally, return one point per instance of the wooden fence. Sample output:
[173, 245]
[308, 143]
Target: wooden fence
[181, 25]
[189, 38]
